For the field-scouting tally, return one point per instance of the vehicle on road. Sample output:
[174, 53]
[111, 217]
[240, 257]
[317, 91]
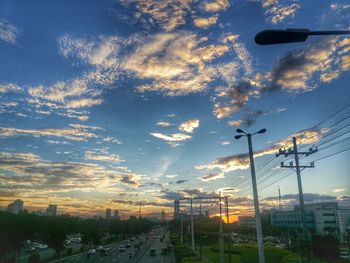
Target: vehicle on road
[106, 252]
[127, 244]
[152, 252]
[38, 245]
[91, 252]
[164, 251]
[121, 248]
[30, 249]
[99, 248]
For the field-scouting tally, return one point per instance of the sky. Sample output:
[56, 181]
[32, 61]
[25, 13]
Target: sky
[113, 103]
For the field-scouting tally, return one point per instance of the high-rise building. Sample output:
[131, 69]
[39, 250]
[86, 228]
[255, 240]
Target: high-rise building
[116, 214]
[51, 210]
[162, 216]
[176, 209]
[15, 207]
[108, 213]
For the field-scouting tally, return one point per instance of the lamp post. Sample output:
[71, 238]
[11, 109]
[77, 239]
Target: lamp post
[291, 35]
[255, 192]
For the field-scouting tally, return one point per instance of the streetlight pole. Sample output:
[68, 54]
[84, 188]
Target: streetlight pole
[192, 230]
[255, 193]
[228, 224]
[221, 233]
[291, 35]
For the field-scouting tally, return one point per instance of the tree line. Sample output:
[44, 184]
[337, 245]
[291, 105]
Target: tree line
[15, 229]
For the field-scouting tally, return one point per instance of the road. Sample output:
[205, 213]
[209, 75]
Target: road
[131, 255]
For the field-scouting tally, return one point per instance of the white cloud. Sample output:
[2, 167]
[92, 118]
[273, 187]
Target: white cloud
[172, 139]
[164, 124]
[9, 87]
[205, 22]
[99, 156]
[189, 126]
[216, 5]
[8, 32]
[339, 190]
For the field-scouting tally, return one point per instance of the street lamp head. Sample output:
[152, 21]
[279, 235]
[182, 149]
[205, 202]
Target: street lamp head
[262, 131]
[240, 131]
[271, 37]
[238, 136]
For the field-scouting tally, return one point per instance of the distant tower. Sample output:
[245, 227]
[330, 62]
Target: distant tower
[176, 209]
[279, 199]
[116, 214]
[16, 206]
[108, 213]
[162, 216]
[51, 210]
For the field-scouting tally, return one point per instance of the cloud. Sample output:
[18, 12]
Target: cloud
[216, 5]
[176, 62]
[339, 190]
[168, 14]
[83, 103]
[241, 161]
[112, 140]
[99, 156]
[181, 181]
[8, 32]
[324, 60]
[205, 22]
[235, 123]
[212, 177]
[189, 126]
[172, 139]
[9, 87]
[232, 99]
[164, 124]
[70, 134]
[130, 179]
[224, 143]
[277, 12]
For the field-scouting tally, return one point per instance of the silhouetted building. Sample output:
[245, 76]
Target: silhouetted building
[51, 210]
[116, 214]
[162, 216]
[108, 213]
[176, 209]
[15, 207]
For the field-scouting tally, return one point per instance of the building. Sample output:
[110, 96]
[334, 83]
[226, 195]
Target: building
[322, 218]
[206, 214]
[176, 209]
[116, 214]
[162, 216]
[16, 206]
[108, 213]
[51, 210]
[246, 220]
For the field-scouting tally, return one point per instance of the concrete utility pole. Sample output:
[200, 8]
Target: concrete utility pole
[182, 227]
[255, 193]
[228, 223]
[221, 237]
[298, 167]
[192, 229]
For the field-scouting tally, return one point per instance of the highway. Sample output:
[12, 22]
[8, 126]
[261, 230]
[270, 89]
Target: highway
[131, 255]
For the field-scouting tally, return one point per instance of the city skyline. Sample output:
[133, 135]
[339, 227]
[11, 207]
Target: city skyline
[133, 102]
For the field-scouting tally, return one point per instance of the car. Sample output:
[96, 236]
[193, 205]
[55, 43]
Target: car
[99, 248]
[106, 252]
[39, 246]
[121, 248]
[127, 244]
[91, 252]
[30, 249]
[152, 252]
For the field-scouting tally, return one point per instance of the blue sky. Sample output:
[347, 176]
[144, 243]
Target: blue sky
[109, 103]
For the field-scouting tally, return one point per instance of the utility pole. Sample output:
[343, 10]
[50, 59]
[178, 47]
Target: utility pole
[298, 168]
[259, 235]
[229, 235]
[140, 209]
[221, 233]
[192, 229]
[200, 230]
[182, 227]
[279, 199]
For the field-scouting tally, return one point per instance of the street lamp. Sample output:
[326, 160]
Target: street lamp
[255, 192]
[291, 35]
